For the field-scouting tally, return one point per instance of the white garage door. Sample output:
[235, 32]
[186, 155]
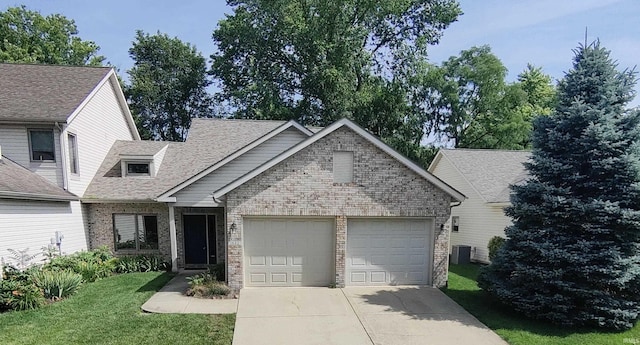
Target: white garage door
[388, 251]
[288, 252]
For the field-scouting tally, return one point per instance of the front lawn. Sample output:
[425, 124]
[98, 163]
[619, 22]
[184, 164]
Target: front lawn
[108, 312]
[516, 329]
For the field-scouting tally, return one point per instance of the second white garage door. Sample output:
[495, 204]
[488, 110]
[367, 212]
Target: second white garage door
[388, 251]
[288, 252]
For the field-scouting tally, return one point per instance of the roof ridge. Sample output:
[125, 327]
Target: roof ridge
[54, 65]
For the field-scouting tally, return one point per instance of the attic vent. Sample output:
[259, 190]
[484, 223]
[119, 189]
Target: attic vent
[342, 166]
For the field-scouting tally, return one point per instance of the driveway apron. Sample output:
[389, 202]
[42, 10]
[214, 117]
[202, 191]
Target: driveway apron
[354, 316]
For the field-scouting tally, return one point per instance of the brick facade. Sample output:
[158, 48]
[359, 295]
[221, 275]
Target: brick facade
[302, 185]
[101, 226]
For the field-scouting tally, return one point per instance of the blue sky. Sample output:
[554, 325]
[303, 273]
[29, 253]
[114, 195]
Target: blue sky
[542, 32]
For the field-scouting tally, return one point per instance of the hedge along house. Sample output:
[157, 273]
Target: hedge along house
[279, 204]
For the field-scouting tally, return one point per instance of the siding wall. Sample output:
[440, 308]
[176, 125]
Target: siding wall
[32, 224]
[479, 221]
[199, 193]
[14, 140]
[98, 125]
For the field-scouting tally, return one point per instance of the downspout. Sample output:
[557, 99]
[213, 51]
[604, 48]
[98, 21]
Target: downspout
[446, 284]
[63, 157]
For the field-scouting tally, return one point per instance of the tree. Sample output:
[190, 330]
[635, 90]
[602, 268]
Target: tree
[467, 101]
[571, 255]
[28, 37]
[168, 86]
[316, 61]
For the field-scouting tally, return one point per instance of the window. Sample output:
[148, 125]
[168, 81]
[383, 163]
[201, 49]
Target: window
[41, 145]
[134, 169]
[135, 231]
[73, 153]
[455, 223]
[342, 167]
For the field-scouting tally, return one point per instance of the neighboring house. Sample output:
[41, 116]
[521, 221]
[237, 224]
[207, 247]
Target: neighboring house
[484, 176]
[277, 203]
[57, 124]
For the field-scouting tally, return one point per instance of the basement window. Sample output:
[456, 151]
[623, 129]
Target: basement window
[342, 166]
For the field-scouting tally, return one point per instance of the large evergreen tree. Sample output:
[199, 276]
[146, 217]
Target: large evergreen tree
[572, 255]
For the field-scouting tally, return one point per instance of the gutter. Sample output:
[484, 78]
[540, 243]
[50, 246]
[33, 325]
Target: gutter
[36, 196]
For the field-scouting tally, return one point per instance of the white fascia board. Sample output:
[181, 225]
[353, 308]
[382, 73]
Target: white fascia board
[38, 197]
[235, 155]
[323, 133]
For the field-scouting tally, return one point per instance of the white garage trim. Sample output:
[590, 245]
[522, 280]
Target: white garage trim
[289, 251]
[389, 251]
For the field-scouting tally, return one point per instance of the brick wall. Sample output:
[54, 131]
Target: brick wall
[302, 185]
[100, 221]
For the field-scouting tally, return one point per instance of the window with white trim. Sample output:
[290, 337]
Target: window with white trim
[72, 141]
[42, 145]
[135, 231]
[342, 166]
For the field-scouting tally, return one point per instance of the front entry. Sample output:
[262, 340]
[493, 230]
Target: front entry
[199, 240]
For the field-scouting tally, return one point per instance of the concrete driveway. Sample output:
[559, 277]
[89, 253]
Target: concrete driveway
[354, 316]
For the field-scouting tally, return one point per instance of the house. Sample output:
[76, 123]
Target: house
[484, 176]
[57, 123]
[277, 203]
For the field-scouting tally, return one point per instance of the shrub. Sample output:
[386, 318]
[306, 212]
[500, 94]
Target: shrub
[494, 244]
[57, 284]
[206, 285]
[92, 265]
[140, 263]
[20, 295]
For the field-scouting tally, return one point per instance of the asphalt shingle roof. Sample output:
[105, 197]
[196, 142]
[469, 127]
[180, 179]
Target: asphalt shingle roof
[45, 92]
[490, 172]
[14, 178]
[209, 141]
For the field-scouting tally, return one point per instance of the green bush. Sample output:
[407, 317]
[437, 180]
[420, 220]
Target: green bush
[206, 285]
[20, 295]
[494, 244]
[92, 265]
[140, 263]
[57, 284]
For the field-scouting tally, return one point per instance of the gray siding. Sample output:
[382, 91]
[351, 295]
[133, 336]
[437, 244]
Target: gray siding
[199, 193]
[14, 140]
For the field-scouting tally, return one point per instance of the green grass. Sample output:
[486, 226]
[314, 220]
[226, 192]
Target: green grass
[108, 312]
[515, 328]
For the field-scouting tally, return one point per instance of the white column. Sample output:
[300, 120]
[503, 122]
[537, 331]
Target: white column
[174, 239]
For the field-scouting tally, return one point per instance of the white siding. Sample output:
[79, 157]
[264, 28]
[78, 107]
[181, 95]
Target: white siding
[32, 224]
[199, 193]
[98, 125]
[14, 140]
[479, 221]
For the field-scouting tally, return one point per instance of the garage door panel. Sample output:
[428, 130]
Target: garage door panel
[397, 251]
[288, 252]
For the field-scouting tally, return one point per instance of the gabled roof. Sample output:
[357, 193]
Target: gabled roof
[45, 93]
[200, 137]
[323, 133]
[209, 142]
[489, 172]
[17, 182]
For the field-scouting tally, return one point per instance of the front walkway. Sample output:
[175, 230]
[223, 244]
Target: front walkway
[171, 299]
[358, 316]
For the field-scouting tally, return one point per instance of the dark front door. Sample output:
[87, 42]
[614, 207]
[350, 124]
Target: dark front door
[199, 240]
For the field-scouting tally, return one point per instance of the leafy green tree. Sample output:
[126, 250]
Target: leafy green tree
[572, 255]
[28, 37]
[316, 61]
[466, 101]
[168, 86]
